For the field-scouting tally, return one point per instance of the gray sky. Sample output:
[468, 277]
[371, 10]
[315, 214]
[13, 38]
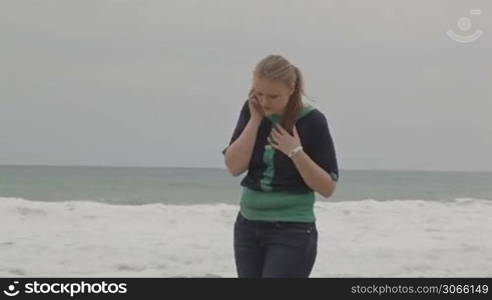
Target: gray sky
[160, 83]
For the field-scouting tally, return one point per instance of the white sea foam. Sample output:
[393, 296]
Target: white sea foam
[356, 238]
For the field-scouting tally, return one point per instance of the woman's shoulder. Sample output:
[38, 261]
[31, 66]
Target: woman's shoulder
[315, 116]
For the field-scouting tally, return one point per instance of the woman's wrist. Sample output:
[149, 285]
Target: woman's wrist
[256, 121]
[292, 153]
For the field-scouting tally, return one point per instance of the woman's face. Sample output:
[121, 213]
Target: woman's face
[272, 95]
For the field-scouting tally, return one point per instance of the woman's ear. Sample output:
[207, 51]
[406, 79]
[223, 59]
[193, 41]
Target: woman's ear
[291, 90]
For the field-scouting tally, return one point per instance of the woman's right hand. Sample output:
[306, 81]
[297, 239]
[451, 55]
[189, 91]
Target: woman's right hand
[255, 109]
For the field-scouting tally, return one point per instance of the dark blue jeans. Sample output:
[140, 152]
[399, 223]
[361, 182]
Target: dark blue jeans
[274, 249]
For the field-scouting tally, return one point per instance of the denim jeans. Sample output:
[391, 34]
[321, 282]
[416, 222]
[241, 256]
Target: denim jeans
[274, 248]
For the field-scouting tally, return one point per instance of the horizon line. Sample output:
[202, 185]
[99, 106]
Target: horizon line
[183, 167]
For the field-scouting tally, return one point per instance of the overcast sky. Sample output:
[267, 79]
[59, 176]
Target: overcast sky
[160, 83]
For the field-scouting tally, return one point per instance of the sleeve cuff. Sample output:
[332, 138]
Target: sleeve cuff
[334, 176]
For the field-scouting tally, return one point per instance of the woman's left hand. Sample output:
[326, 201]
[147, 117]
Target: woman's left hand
[282, 140]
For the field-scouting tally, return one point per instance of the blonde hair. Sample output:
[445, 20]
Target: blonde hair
[277, 68]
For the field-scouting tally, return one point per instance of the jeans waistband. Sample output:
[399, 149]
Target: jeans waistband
[259, 223]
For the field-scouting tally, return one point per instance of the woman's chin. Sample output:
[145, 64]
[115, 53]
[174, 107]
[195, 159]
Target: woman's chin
[270, 113]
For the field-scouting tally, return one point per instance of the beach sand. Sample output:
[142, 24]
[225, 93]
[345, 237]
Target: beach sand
[368, 238]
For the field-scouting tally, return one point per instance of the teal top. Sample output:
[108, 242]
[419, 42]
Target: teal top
[277, 206]
[270, 205]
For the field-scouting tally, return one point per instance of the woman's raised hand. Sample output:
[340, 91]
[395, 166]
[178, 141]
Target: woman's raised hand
[256, 111]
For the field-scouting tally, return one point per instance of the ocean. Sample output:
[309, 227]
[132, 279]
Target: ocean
[178, 222]
[185, 186]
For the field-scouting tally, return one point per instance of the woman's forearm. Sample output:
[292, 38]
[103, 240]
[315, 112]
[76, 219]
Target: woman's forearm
[314, 176]
[238, 154]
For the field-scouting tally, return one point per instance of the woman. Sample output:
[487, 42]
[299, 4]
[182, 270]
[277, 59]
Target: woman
[288, 151]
